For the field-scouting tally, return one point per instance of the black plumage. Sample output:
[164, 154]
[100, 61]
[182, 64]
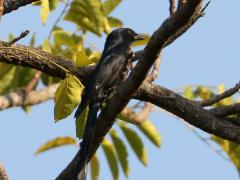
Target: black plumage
[108, 74]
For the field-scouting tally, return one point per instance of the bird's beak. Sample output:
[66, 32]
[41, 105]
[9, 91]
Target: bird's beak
[139, 37]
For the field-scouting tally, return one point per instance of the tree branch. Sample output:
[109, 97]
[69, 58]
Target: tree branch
[11, 5]
[33, 97]
[42, 61]
[138, 118]
[3, 173]
[190, 111]
[224, 111]
[123, 94]
[217, 98]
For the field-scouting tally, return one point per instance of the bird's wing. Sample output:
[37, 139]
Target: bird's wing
[101, 76]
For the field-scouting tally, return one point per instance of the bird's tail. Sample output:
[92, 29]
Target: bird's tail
[85, 145]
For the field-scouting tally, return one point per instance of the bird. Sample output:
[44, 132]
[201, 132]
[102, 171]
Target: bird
[108, 74]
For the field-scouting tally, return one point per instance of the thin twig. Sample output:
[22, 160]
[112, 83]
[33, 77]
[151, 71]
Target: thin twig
[155, 70]
[180, 32]
[59, 18]
[138, 118]
[172, 7]
[205, 140]
[220, 97]
[18, 98]
[32, 82]
[22, 35]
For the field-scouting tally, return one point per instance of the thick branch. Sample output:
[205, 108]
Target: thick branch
[131, 84]
[190, 111]
[224, 111]
[33, 97]
[11, 5]
[42, 61]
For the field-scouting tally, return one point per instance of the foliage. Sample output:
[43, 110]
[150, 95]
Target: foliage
[94, 17]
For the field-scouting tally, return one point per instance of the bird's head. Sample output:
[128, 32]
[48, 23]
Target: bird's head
[122, 36]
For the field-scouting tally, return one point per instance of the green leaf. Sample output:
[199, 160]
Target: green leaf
[95, 166]
[106, 26]
[44, 11]
[10, 37]
[135, 142]
[48, 80]
[27, 109]
[81, 59]
[110, 5]
[203, 92]
[7, 75]
[188, 92]
[142, 42]
[59, 141]
[67, 97]
[121, 152]
[12, 77]
[62, 37]
[110, 154]
[232, 150]
[151, 132]
[46, 46]
[87, 14]
[115, 22]
[80, 123]
[53, 4]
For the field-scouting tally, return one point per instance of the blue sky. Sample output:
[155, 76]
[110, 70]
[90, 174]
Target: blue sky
[208, 54]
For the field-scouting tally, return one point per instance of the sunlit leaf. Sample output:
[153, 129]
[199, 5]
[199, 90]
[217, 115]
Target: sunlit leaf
[94, 56]
[115, 22]
[67, 97]
[87, 14]
[46, 46]
[135, 142]
[151, 132]
[59, 141]
[110, 154]
[121, 150]
[27, 109]
[232, 149]
[48, 80]
[106, 26]
[188, 92]
[7, 75]
[110, 5]
[62, 37]
[53, 4]
[203, 92]
[12, 77]
[95, 167]
[81, 59]
[80, 123]
[125, 118]
[10, 36]
[44, 11]
[37, 3]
